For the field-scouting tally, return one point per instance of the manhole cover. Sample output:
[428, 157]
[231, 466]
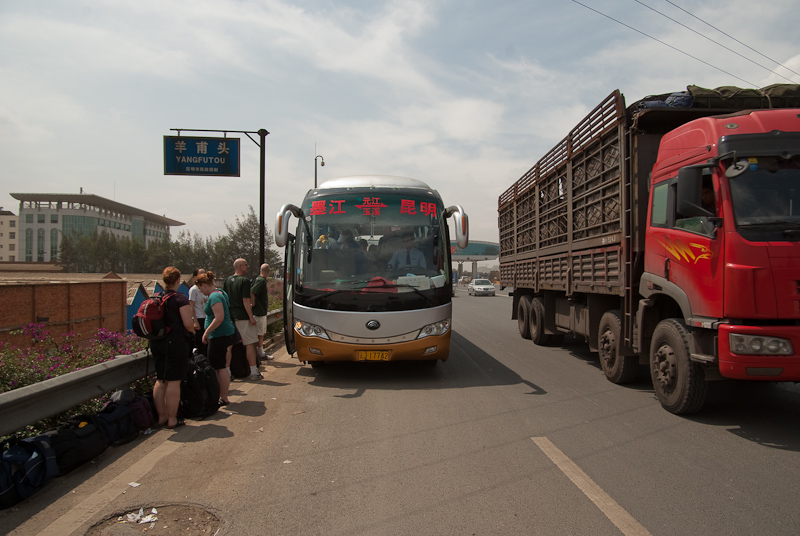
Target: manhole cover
[170, 520]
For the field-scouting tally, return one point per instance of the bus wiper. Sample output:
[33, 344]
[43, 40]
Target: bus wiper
[336, 291]
[405, 285]
[326, 294]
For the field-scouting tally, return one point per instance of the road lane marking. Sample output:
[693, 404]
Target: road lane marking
[610, 508]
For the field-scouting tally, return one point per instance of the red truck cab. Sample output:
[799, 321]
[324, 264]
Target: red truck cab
[723, 240]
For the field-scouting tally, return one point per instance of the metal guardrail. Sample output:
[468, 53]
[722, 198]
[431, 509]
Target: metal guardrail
[26, 405]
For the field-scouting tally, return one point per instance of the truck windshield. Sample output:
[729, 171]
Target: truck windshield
[766, 198]
[381, 251]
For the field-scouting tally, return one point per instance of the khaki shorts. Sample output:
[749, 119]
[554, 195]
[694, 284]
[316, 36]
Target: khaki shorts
[248, 331]
[261, 325]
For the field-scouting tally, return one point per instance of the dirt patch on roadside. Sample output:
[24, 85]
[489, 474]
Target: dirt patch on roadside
[169, 520]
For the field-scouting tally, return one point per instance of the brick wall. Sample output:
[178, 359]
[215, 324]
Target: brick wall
[79, 307]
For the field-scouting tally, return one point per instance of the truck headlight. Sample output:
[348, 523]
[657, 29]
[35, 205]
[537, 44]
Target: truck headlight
[437, 328]
[756, 345]
[310, 330]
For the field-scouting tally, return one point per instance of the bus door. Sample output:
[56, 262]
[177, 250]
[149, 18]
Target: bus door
[289, 276]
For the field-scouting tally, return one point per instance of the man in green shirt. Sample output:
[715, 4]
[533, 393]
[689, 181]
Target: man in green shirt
[260, 300]
[237, 287]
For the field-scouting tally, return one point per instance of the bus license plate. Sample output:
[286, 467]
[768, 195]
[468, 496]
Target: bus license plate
[373, 355]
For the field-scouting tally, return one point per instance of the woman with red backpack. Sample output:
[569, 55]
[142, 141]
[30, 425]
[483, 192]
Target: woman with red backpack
[171, 354]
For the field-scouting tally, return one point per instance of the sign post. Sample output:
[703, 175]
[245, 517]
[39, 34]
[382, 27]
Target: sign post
[214, 157]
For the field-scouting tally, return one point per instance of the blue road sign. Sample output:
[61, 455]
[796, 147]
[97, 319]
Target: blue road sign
[215, 157]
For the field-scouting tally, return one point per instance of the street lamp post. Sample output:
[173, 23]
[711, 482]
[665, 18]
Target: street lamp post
[315, 167]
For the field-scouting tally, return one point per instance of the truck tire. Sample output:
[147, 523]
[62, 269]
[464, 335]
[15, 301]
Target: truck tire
[618, 368]
[678, 382]
[537, 323]
[523, 315]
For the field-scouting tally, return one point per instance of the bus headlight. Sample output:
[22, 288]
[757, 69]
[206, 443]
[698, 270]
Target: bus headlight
[754, 345]
[437, 328]
[310, 330]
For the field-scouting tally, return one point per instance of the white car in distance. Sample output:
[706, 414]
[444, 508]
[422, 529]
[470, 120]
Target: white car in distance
[480, 287]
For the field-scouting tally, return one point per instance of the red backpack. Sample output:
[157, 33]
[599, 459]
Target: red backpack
[149, 321]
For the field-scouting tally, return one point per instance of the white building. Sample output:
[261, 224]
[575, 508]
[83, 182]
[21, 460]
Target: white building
[44, 218]
[8, 236]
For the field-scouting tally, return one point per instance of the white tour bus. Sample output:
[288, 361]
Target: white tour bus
[367, 273]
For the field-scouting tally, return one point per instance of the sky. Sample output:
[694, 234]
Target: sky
[464, 95]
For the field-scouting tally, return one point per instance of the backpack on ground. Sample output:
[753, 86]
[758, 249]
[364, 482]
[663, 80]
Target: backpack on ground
[77, 441]
[8, 492]
[240, 368]
[149, 322]
[142, 410]
[116, 421]
[31, 463]
[199, 389]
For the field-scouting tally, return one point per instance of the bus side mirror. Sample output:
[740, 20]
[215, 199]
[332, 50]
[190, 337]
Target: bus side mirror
[282, 223]
[461, 221]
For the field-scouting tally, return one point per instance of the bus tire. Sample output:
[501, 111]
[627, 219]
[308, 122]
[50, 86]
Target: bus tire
[523, 314]
[618, 368]
[678, 382]
[538, 335]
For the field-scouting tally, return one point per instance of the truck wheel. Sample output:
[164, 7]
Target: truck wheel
[678, 382]
[618, 369]
[523, 314]
[537, 323]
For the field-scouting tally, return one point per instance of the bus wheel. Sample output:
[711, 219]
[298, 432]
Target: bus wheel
[536, 323]
[678, 382]
[523, 312]
[617, 368]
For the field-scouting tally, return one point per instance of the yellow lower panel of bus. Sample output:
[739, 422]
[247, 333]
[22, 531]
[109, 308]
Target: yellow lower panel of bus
[325, 350]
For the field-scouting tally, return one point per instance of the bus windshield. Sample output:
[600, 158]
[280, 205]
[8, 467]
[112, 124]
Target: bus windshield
[381, 251]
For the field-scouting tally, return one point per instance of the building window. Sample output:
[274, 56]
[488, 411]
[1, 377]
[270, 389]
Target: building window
[40, 218]
[29, 245]
[53, 245]
[12, 223]
[12, 247]
[12, 235]
[40, 245]
[28, 218]
[12, 258]
[53, 218]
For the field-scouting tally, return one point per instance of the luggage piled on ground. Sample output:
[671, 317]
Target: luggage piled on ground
[27, 465]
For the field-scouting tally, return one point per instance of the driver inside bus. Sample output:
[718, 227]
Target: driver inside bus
[408, 255]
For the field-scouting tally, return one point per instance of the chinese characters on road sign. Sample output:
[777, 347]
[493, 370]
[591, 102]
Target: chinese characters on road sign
[218, 157]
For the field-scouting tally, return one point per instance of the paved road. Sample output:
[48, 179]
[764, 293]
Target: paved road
[504, 438]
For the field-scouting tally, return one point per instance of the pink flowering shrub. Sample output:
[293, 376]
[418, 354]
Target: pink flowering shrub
[48, 357]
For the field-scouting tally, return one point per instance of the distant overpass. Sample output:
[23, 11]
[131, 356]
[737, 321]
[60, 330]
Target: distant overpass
[474, 252]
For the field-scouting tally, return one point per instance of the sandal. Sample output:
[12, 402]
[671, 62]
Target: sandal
[223, 402]
[178, 424]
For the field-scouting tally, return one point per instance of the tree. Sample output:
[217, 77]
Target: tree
[102, 252]
[243, 240]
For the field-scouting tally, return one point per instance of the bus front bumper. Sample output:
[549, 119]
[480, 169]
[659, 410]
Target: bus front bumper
[425, 349]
